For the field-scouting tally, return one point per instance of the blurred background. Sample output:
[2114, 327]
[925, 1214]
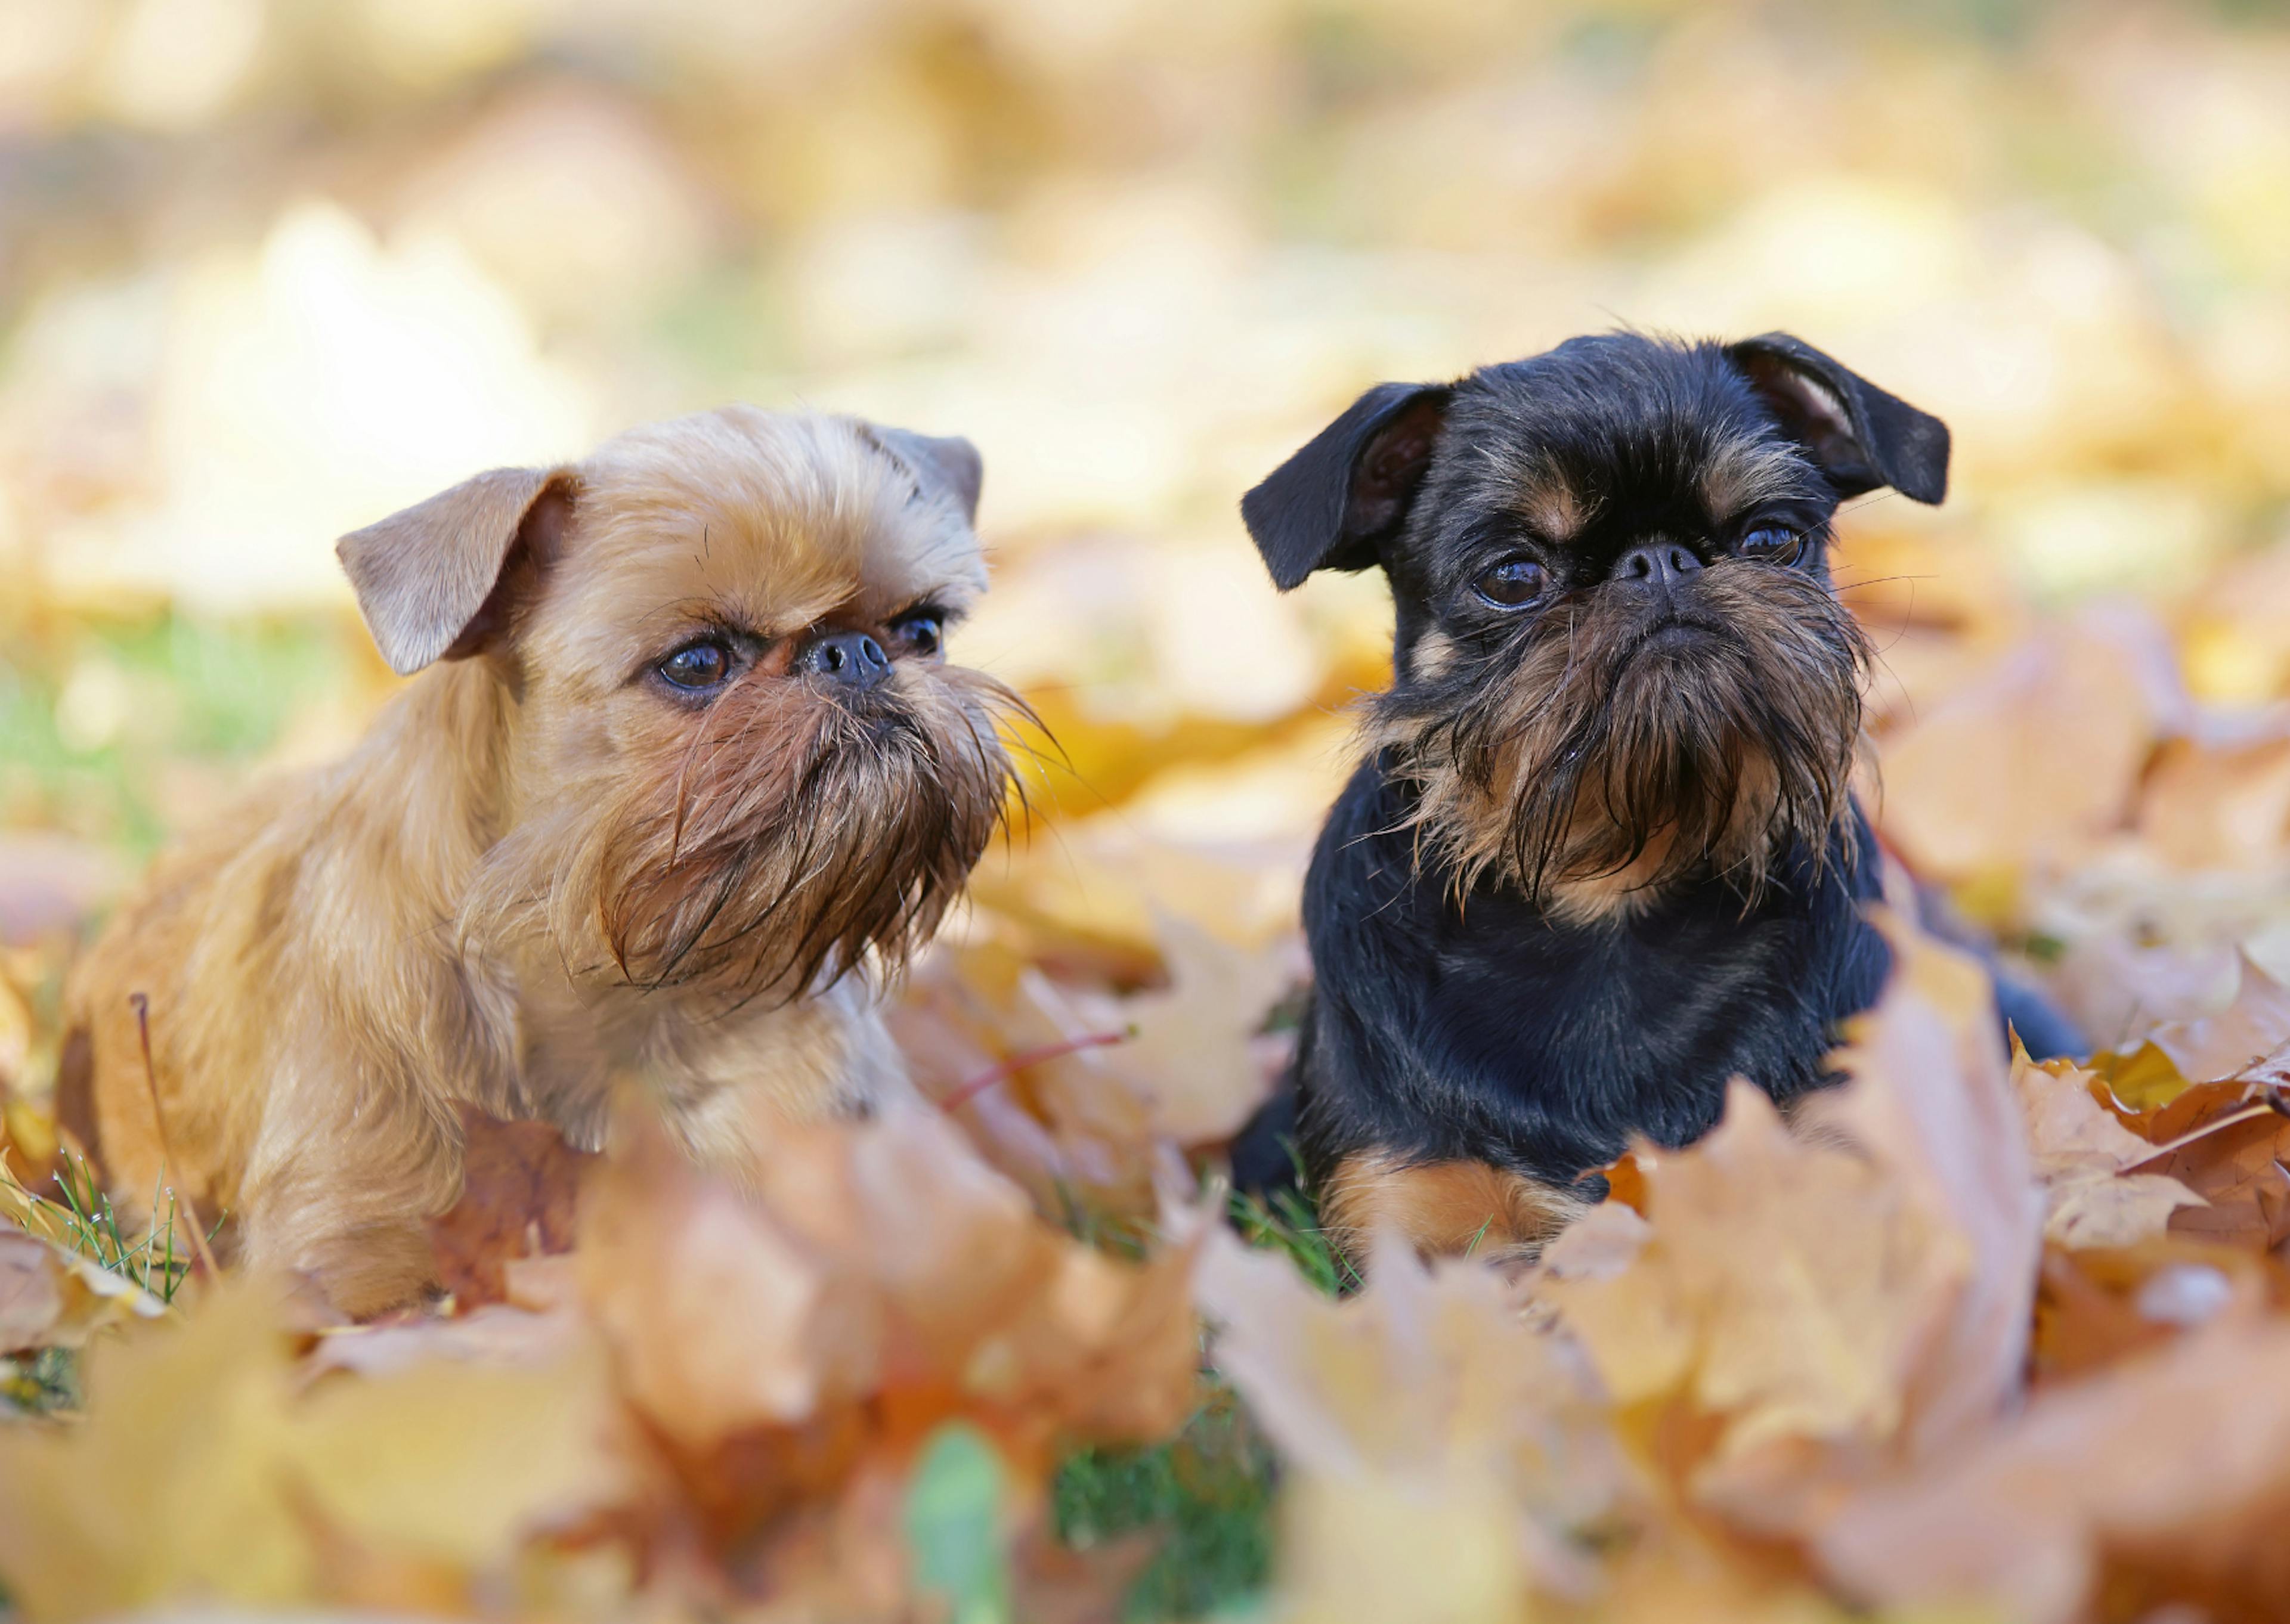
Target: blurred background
[271, 268]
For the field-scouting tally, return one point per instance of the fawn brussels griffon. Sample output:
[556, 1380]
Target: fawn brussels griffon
[1603, 855]
[685, 773]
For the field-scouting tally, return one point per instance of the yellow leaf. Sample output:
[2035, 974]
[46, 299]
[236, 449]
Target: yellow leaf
[171, 1488]
[454, 1461]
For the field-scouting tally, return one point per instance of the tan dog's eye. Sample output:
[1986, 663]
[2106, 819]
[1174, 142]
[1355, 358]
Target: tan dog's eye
[1513, 584]
[698, 666]
[922, 633]
[1770, 544]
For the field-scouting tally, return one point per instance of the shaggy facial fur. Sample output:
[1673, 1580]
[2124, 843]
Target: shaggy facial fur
[1602, 855]
[685, 777]
[1616, 734]
[1612, 736]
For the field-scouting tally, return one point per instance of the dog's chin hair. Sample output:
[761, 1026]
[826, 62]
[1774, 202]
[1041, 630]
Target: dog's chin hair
[796, 842]
[1569, 756]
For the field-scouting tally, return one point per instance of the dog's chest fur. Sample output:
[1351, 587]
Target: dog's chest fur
[1484, 1026]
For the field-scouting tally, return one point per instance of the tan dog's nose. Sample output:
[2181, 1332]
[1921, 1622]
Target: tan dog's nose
[851, 659]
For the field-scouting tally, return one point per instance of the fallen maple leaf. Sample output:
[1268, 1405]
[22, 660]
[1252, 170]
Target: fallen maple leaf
[1782, 1285]
[2171, 1473]
[1930, 1102]
[1798, 1307]
[2082, 1156]
[199, 1475]
[520, 1186]
[1423, 1413]
[793, 1341]
[1193, 1056]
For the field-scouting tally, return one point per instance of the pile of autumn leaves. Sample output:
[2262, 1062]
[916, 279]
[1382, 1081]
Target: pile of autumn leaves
[1972, 1331]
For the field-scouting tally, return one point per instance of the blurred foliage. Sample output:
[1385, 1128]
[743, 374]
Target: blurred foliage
[271, 267]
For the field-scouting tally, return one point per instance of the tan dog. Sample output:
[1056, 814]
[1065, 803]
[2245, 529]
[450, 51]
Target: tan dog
[685, 773]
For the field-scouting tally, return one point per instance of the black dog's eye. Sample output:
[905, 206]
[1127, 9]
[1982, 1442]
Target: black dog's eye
[922, 632]
[698, 666]
[1512, 584]
[1770, 544]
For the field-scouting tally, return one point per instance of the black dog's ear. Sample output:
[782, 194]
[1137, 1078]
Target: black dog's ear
[1860, 437]
[1327, 505]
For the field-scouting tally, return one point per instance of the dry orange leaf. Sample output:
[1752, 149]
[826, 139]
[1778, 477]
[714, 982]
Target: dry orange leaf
[883, 1262]
[520, 1183]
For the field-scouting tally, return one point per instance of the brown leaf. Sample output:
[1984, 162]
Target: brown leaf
[2238, 1169]
[2082, 1156]
[520, 1187]
[2097, 1306]
[2171, 1470]
[878, 1279]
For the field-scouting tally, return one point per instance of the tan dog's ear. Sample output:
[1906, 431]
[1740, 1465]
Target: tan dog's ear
[950, 465]
[427, 578]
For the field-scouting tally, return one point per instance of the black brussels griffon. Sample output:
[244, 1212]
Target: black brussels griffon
[1603, 854]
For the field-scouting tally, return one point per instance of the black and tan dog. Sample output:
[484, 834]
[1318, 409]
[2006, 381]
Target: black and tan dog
[1603, 854]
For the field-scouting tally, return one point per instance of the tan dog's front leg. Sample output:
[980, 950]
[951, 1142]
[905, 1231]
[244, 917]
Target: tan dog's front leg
[346, 1202]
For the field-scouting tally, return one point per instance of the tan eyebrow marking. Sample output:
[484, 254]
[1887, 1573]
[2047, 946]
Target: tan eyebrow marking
[1553, 507]
[1743, 472]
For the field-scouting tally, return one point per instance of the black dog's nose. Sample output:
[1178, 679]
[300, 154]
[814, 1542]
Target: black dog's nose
[848, 657]
[1658, 566]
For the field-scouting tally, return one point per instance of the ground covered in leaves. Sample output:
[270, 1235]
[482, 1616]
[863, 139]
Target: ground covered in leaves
[1974, 1338]
[2001, 1342]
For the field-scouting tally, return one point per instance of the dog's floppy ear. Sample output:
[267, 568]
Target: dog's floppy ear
[1327, 505]
[1860, 437]
[430, 579]
[948, 463]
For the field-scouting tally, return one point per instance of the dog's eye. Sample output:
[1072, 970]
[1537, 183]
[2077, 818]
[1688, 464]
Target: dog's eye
[1512, 584]
[1770, 544]
[701, 665]
[923, 632]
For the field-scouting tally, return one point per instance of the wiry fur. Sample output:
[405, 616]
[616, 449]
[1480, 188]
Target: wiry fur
[1566, 754]
[542, 876]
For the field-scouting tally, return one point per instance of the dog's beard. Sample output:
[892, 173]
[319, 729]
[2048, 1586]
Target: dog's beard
[791, 840]
[1579, 753]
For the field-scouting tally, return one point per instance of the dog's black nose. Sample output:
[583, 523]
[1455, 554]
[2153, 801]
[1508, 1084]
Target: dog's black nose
[848, 657]
[1658, 565]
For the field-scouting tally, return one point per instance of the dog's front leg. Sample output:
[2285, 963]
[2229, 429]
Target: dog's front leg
[1444, 1208]
[340, 1184]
